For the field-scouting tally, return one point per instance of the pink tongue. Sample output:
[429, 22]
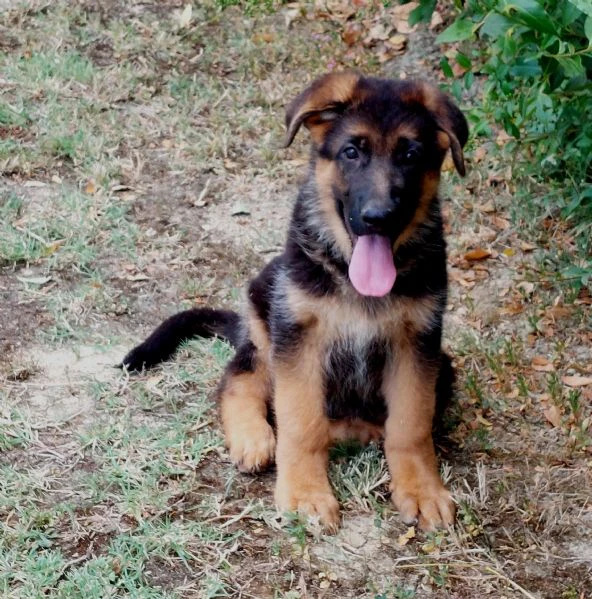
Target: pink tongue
[372, 270]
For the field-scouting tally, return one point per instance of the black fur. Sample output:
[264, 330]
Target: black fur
[353, 379]
[198, 322]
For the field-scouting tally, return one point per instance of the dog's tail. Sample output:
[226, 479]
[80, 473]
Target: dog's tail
[198, 322]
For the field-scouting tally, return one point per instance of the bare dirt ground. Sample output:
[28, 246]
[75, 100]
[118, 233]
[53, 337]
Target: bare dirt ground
[141, 173]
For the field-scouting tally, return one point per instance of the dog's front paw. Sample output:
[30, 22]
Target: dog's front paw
[309, 501]
[252, 448]
[430, 505]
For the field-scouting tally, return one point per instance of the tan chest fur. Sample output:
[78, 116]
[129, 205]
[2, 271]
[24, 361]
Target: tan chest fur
[349, 319]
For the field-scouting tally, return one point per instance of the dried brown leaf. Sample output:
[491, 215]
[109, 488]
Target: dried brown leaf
[542, 364]
[406, 536]
[553, 415]
[477, 254]
[577, 380]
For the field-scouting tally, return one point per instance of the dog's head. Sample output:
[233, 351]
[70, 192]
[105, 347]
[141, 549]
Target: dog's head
[379, 147]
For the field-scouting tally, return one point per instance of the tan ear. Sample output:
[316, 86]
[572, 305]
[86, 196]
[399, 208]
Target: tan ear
[448, 116]
[319, 104]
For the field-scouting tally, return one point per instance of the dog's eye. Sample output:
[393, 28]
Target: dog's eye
[411, 155]
[351, 153]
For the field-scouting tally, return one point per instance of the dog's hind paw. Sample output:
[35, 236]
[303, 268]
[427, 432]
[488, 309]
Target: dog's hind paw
[252, 450]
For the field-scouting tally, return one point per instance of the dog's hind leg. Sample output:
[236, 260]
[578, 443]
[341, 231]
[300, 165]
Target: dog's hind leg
[245, 394]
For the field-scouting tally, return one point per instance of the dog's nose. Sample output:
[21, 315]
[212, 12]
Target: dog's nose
[377, 216]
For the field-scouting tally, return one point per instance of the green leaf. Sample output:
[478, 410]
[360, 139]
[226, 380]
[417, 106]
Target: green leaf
[469, 79]
[446, 68]
[495, 25]
[463, 60]
[461, 29]
[525, 68]
[577, 200]
[588, 28]
[531, 13]
[572, 66]
[584, 5]
[423, 12]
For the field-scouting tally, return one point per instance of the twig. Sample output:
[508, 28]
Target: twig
[513, 584]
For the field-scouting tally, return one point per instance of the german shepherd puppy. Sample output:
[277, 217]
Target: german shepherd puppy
[341, 335]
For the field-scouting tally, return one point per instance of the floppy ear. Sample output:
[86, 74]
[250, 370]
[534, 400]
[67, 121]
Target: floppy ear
[319, 104]
[448, 116]
[452, 121]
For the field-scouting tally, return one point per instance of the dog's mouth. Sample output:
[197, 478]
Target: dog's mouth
[372, 269]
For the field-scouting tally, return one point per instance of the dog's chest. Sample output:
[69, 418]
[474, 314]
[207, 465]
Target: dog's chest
[353, 370]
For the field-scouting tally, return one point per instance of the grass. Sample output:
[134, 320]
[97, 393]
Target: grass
[126, 143]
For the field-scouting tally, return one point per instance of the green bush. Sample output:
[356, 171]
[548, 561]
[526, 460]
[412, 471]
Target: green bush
[536, 57]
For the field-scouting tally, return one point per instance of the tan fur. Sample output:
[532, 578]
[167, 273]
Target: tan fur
[258, 335]
[322, 95]
[431, 181]
[443, 140]
[339, 317]
[326, 177]
[244, 400]
[403, 131]
[409, 390]
[303, 434]
[356, 429]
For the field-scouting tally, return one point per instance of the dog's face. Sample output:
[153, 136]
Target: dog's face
[379, 146]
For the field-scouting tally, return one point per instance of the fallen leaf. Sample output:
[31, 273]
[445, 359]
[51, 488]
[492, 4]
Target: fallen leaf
[152, 385]
[557, 312]
[500, 223]
[488, 207]
[239, 209]
[400, 17]
[436, 20]
[53, 247]
[352, 33]
[553, 415]
[265, 37]
[378, 33]
[479, 154]
[477, 254]
[34, 280]
[481, 420]
[398, 41]
[291, 15]
[512, 308]
[527, 247]
[577, 380]
[34, 184]
[406, 537]
[526, 287]
[138, 277]
[509, 252]
[448, 164]
[185, 17]
[542, 364]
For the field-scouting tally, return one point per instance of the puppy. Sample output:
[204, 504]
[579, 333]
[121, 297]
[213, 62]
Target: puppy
[341, 333]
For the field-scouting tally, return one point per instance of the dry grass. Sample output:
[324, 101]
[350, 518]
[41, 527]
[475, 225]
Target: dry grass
[141, 174]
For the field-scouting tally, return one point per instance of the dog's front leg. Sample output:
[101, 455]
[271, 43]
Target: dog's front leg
[417, 490]
[303, 436]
